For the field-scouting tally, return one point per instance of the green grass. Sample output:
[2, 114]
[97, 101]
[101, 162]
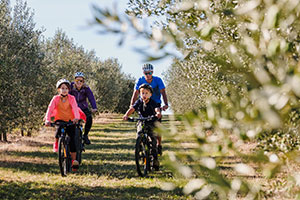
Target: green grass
[29, 169]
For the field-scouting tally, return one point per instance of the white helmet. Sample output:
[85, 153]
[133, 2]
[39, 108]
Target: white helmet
[79, 74]
[61, 81]
[147, 67]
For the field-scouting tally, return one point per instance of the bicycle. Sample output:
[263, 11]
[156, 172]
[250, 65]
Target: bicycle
[64, 155]
[144, 157]
[79, 142]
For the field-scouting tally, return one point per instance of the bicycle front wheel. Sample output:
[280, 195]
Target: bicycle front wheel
[142, 151]
[64, 159]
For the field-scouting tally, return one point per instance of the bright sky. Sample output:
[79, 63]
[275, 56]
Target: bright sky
[73, 16]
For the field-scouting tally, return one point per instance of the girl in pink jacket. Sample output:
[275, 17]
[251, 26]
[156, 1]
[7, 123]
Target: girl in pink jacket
[63, 107]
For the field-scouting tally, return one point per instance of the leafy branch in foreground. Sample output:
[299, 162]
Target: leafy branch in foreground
[253, 48]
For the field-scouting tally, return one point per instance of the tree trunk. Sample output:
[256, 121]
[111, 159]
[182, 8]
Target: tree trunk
[4, 137]
[22, 131]
[29, 132]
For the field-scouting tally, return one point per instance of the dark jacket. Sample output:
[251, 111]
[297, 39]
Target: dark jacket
[81, 95]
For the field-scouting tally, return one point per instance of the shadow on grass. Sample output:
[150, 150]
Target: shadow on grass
[32, 154]
[110, 170]
[34, 190]
[30, 167]
[112, 146]
[108, 130]
[101, 156]
[112, 141]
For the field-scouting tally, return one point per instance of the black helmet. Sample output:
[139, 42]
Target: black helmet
[146, 86]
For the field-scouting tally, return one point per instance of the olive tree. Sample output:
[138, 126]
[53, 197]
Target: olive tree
[21, 69]
[251, 52]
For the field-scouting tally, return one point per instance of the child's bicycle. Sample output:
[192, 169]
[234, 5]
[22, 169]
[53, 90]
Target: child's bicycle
[144, 157]
[64, 155]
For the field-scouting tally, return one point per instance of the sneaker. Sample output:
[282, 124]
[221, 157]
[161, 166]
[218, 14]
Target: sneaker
[75, 165]
[55, 146]
[86, 139]
[159, 150]
[156, 164]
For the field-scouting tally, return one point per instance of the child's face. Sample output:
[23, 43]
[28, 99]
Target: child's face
[63, 90]
[145, 94]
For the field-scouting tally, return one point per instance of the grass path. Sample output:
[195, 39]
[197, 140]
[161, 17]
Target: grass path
[29, 169]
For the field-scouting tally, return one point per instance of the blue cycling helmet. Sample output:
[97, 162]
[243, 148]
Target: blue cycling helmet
[79, 74]
[147, 67]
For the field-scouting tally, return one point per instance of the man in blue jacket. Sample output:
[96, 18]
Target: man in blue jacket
[158, 91]
[82, 92]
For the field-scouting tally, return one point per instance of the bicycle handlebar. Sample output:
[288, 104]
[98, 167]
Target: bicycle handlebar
[63, 123]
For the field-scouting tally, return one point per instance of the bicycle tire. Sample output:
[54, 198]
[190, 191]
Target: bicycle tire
[69, 159]
[62, 158]
[142, 160]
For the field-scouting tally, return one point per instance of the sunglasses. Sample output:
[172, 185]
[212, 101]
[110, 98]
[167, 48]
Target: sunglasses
[148, 73]
[81, 81]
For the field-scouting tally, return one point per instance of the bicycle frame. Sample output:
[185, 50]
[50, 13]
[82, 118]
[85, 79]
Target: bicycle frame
[64, 156]
[143, 148]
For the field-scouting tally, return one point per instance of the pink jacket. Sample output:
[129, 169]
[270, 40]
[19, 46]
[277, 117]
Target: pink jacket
[52, 108]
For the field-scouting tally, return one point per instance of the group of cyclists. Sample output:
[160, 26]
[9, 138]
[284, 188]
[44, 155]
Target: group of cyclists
[70, 104]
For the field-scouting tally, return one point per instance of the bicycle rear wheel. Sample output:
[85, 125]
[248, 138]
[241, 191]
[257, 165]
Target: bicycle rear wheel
[142, 151]
[78, 143]
[64, 158]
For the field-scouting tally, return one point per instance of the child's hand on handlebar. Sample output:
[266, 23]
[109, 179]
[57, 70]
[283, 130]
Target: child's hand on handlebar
[125, 117]
[47, 123]
[158, 115]
[75, 120]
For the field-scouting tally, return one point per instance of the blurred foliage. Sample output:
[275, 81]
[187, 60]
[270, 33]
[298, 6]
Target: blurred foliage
[238, 69]
[31, 65]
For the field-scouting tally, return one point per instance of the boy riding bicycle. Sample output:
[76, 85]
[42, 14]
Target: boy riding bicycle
[63, 107]
[146, 107]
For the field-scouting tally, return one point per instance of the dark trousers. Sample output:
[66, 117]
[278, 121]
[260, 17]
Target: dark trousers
[70, 130]
[89, 121]
[149, 129]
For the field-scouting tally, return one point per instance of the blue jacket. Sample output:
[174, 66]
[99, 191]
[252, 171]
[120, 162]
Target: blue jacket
[82, 95]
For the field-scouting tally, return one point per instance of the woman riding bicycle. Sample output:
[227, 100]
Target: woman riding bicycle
[146, 107]
[63, 107]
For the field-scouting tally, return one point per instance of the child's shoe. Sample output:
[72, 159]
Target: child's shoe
[75, 165]
[156, 164]
[55, 146]
[159, 150]
[86, 139]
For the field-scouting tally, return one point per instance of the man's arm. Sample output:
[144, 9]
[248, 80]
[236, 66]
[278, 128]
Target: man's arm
[134, 97]
[164, 95]
[91, 99]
